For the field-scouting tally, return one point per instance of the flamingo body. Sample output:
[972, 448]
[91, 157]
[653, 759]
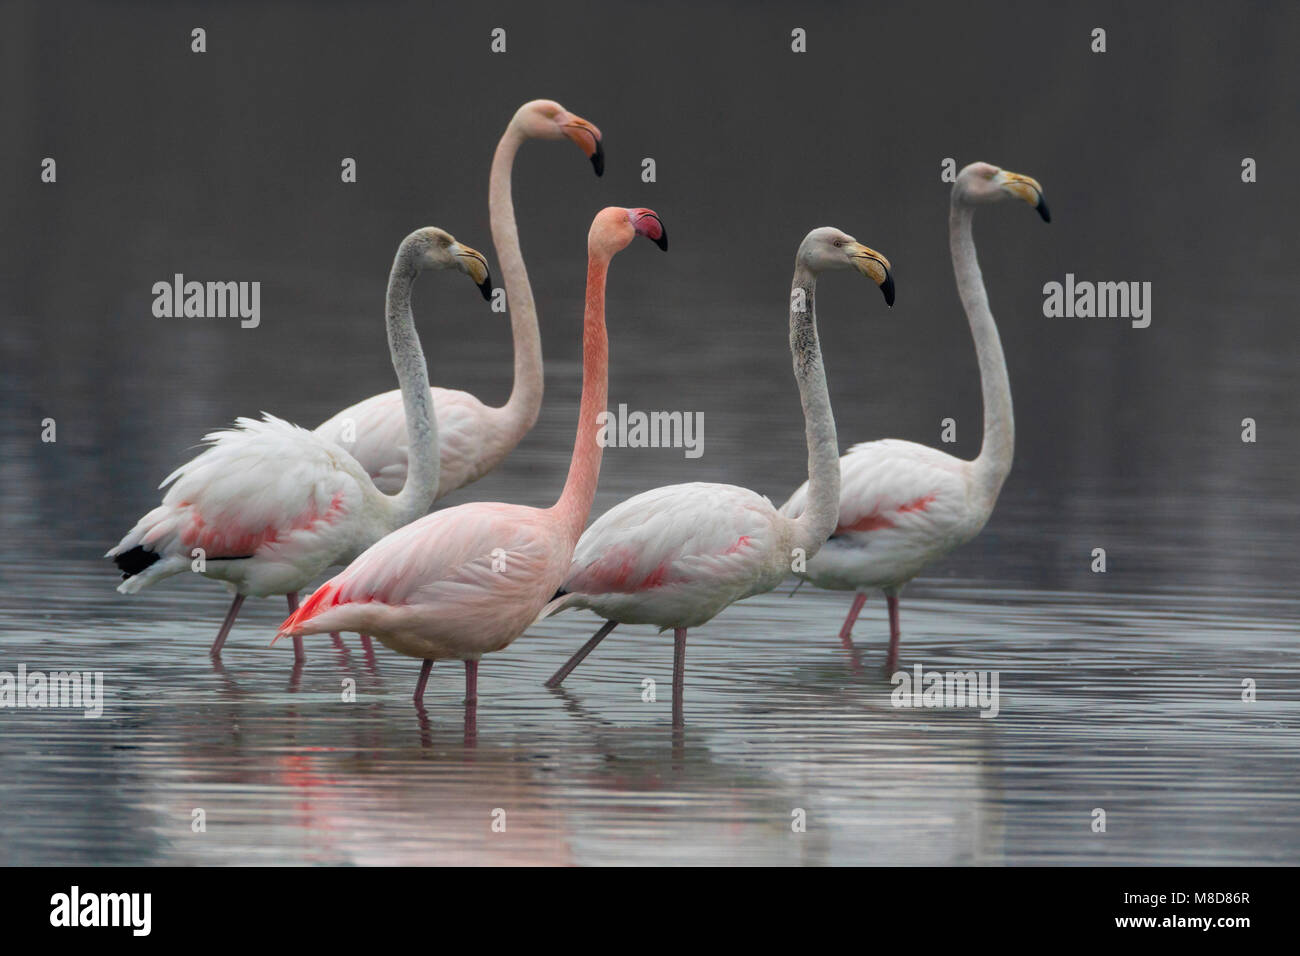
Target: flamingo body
[430, 590]
[902, 505]
[471, 439]
[270, 504]
[676, 556]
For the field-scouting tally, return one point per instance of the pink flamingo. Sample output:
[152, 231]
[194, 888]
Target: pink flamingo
[468, 580]
[268, 506]
[903, 505]
[473, 438]
[677, 556]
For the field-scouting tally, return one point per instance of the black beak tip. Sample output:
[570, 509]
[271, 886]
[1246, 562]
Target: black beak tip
[662, 241]
[887, 287]
[486, 288]
[1044, 211]
[598, 159]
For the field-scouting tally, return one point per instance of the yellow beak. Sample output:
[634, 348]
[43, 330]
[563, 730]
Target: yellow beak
[474, 264]
[1028, 189]
[875, 267]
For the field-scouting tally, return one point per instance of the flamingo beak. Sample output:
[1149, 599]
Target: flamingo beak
[875, 267]
[1026, 188]
[474, 264]
[588, 139]
[647, 223]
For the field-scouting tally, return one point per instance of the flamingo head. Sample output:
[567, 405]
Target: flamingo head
[828, 248]
[615, 227]
[547, 119]
[984, 183]
[433, 248]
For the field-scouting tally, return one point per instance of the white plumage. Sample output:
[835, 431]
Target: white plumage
[676, 556]
[901, 506]
[470, 438]
[270, 504]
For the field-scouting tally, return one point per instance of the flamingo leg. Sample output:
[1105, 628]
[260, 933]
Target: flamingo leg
[424, 679]
[846, 632]
[299, 652]
[337, 638]
[566, 669]
[368, 651]
[226, 625]
[471, 682]
[679, 673]
[891, 661]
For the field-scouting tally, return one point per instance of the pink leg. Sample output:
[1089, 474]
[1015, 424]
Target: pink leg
[299, 653]
[368, 651]
[337, 638]
[846, 632]
[471, 682]
[891, 662]
[226, 625]
[424, 679]
[679, 673]
[558, 677]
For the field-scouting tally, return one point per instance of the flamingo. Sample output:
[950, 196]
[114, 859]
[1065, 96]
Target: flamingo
[904, 505]
[473, 437]
[676, 556]
[468, 580]
[272, 505]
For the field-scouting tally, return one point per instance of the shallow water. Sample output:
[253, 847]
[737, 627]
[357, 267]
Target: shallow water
[1119, 690]
[1131, 704]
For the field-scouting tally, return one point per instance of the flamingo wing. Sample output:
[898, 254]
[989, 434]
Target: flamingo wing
[901, 505]
[455, 583]
[676, 555]
[264, 490]
[374, 432]
[891, 483]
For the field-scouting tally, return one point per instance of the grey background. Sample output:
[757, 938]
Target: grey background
[1121, 690]
[226, 166]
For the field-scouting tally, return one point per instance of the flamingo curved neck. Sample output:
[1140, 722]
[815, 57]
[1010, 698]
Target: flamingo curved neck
[820, 517]
[993, 465]
[584, 470]
[522, 408]
[413, 378]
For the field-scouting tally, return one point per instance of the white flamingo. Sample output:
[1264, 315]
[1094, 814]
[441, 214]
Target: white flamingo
[473, 437]
[902, 505]
[466, 581]
[678, 555]
[272, 505]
